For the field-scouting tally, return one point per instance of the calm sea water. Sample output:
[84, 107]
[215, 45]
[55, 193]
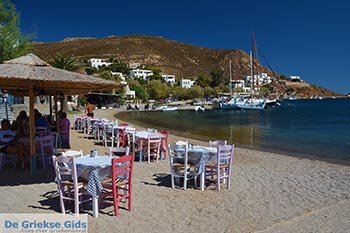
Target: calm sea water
[298, 127]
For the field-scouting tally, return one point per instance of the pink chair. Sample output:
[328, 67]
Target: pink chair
[152, 148]
[221, 170]
[164, 143]
[46, 149]
[120, 186]
[67, 183]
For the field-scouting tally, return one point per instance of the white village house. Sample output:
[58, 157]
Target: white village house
[186, 83]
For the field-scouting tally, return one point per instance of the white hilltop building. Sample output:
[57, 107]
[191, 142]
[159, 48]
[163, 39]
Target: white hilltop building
[186, 83]
[129, 93]
[169, 78]
[295, 78]
[261, 78]
[96, 62]
[138, 73]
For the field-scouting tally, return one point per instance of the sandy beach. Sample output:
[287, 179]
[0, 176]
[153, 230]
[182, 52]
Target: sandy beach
[269, 193]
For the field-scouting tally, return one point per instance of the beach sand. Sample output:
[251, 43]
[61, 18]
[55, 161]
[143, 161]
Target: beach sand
[269, 193]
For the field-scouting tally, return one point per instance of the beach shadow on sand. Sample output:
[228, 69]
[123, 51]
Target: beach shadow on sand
[161, 179]
[50, 201]
[18, 176]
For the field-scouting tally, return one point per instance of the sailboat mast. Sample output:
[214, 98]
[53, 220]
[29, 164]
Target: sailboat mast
[230, 64]
[252, 64]
[251, 75]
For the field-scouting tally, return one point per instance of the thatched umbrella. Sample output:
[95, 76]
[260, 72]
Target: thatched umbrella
[27, 75]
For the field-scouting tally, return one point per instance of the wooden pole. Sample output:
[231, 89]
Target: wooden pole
[56, 115]
[32, 129]
[50, 106]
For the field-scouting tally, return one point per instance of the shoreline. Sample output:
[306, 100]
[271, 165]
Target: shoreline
[273, 151]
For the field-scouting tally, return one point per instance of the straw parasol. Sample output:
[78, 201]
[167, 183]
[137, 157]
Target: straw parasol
[16, 74]
[27, 75]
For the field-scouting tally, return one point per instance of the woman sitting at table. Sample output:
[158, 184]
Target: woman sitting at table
[64, 131]
[9, 143]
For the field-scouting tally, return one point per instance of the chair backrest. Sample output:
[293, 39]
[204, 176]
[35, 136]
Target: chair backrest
[178, 153]
[40, 130]
[65, 169]
[47, 144]
[55, 141]
[224, 154]
[108, 128]
[73, 153]
[217, 143]
[122, 167]
[154, 141]
[181, 143]
[164, 136]
[119, 151]
[130, 137]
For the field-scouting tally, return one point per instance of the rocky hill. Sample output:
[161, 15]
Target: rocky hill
[180, 59]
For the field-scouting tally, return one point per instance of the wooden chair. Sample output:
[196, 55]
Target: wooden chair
[120, 186]
[108, 134]
[179, 166]
[130, 139]
[67, 183]
[119, 151]
[41, 131]
[46, 149]
[6, 157]
[152, 148]
[221, 170]
[164, 143]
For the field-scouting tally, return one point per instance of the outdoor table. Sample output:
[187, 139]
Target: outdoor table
[200, 155]
[142, 137]
[94, 169]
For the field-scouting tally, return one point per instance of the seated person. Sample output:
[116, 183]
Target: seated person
[9, 143]
[22, 125]
[40, 121]
[64, 131]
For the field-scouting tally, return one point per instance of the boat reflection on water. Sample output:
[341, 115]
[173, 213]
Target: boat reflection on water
[247, 136]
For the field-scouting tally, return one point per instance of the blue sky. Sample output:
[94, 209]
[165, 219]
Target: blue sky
[309, 38]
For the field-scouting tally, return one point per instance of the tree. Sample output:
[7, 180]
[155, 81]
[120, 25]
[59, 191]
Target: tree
[13, 43]
[217, 76]
[195, 92]
[203, 80]
[157, 89]
[67, 63]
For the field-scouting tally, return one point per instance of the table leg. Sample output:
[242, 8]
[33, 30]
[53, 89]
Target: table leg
[202, 180]
[95, 206]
